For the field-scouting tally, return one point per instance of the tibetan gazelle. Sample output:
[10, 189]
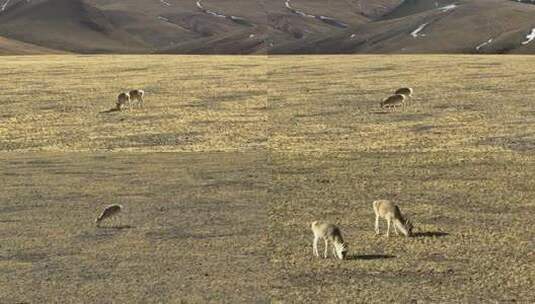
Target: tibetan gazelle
[137, 95]
[123, 101]
[109, 212]
[405, 91]
[391, 213]
[331, 235]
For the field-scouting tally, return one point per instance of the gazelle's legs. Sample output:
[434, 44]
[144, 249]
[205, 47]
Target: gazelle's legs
[141, 101]
[376, 224]
[326, 248]
[115, 220]
[315, 246]
[396, 230]
[334, 251]
[388, 227]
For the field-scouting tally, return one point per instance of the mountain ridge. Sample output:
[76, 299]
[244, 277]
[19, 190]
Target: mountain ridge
[268, 27]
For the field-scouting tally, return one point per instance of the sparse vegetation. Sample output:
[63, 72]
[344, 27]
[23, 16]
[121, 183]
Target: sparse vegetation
[193, 229]
[284, 141]
[196, 103]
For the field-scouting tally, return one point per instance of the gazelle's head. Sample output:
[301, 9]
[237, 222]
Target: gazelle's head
[341, 250]
[383, 102]
[408, 226]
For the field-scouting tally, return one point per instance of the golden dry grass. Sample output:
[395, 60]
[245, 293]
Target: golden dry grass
[288, 103]
[304, 140]
[54, 103]
[461, 103]
[192, 229]
[473, 217]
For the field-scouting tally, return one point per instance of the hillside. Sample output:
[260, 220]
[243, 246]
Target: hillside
[272, 27]
[493, 26]
[14, 47]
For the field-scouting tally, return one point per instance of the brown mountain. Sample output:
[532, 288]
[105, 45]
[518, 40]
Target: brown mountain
[267, 26]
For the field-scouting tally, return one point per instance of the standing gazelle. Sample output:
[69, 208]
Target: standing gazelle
[391, 213]
[137, 95]
[330, 234]
[109, 212]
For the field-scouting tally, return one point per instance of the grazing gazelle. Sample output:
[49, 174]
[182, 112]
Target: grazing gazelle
[407, 92]
[109, 212]
[391, 213]
[393, 101]
[137, 95]
[123, 100]
[331, 235]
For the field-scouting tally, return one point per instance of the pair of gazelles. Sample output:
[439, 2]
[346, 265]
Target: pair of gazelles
[332, 235]
[126, 99]
[399, 98]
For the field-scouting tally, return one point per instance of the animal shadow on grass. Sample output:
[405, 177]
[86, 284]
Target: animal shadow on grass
[109, 111]
[430, 234]
[119, 227]
[370, 257]
[381, 112]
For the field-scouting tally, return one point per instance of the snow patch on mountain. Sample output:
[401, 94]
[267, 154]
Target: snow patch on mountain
[3, 7]
[326, 19]
[416, 32]
[484, 44]
[448, 7]
[530, 37]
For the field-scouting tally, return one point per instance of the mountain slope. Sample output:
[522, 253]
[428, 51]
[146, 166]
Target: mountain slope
[14, 47]
[463, 27]
[66, 24]
[271, 27]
